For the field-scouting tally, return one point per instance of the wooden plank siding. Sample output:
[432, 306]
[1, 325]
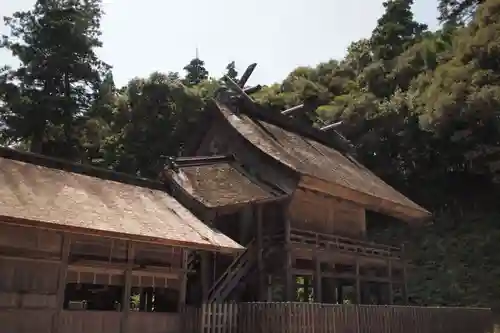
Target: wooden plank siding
[36, 265]
[315, 211]
[325, 318]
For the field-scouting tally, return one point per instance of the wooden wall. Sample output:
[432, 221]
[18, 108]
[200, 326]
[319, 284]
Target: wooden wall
[321, 213]
[28, 288]
[30, 269]
[109, 322]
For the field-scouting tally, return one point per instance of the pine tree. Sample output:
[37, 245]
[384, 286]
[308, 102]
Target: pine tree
[395, 30]
[195, 72]
[59, 74]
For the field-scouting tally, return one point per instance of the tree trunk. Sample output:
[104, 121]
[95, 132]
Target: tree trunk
[37, 141]
[67, 110]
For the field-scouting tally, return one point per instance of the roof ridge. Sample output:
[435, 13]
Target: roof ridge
[79, 168]
[184, 161]
[332, 138]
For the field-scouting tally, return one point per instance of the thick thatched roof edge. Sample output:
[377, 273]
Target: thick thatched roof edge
[179, 188]
[116, 235]
[304, 158]
[331, 138]
[181, 162]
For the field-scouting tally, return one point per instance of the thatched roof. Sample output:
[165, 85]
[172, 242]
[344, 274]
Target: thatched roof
[309, 155]
[58, 199]
[219, 182]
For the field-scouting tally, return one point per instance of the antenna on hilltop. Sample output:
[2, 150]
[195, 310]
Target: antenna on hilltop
[197, 53]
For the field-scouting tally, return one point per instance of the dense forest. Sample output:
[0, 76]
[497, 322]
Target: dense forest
[421, 107]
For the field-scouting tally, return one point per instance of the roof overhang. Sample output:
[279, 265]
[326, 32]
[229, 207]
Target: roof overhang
[411, 215]
[35, 194]
[221, 209]
[117, 235]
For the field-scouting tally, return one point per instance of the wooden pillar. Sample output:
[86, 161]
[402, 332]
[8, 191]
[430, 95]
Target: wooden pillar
[289, 283]
[358, 283]
[245, 223]
[390, 290]
[340, 292]
[205, 275]
[269, 289]
[405, 277]
[329, 292]
[143, 299]
[126, 288]
[260, 259]
[61, 280]
[183, 278]
[318, 292]
[405, 285]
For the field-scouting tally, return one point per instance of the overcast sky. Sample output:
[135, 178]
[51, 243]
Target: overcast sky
[142, 36]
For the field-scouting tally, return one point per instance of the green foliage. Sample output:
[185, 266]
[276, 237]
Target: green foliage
[457, 11]
[153, 121]
[46, 96]
[421, 107]
[395, 30]
[195, 72]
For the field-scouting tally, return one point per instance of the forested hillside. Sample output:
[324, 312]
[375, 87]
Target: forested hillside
[422, 107]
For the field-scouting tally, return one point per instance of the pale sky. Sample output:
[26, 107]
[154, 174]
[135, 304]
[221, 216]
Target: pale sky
[142, 36]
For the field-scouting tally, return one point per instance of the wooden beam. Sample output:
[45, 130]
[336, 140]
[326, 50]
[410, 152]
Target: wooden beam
[405, 287]
[18, 258]
[205, 275]
[291, 110]
[318, 292]
[233, 85]
[61, 280]
[251, 90]
[127, 286]
[260, 259]
[183, 284]
[330, 126]
[390, 286]
[340, 293]
[9, 252]
[405, 277]
[113, 235]
[289, 284]
[341, 276]
[246, 75]
[358, 284]
[116, 269]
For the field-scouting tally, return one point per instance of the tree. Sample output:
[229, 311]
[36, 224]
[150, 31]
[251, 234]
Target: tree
[153, 119]
[395, 30]
[457, 11]
[231, 70]
[58, 77]
[195, 72]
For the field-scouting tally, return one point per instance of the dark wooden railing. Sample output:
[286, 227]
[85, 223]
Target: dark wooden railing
[233, 274]
[343, 244]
